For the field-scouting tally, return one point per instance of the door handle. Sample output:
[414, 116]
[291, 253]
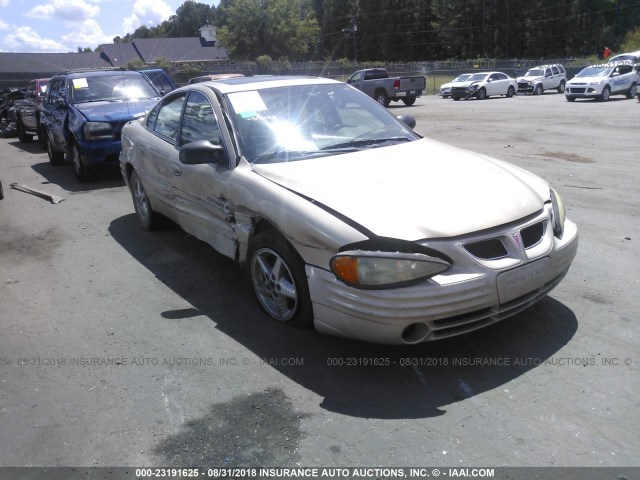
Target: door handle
[176, 169]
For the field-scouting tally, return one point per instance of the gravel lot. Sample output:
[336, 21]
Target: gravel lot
[121, 347]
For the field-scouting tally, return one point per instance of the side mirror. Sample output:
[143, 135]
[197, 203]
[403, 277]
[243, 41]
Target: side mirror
[202, 152]
[408, 120]
[615, 74]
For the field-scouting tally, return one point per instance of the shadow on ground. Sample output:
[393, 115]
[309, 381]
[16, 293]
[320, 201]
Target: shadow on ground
[409, 382]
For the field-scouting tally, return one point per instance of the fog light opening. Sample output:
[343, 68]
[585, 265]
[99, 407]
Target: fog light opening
[414, 333]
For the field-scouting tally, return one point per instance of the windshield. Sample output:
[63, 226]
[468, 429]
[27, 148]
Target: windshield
[111, 88]
[305, 121]
[462, 78]
[478, 77]
[595, 72]
[535, 72]
[624, 58]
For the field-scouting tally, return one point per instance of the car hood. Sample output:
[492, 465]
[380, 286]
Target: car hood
[587, 79]
[451, 84]
[467, 83]
[115, 111]
[417, 190]
[528, 79]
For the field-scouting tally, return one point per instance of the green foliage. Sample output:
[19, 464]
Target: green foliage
[631, 41]
[264, 61]
[136, 64]
[161, 62]
[278, 28]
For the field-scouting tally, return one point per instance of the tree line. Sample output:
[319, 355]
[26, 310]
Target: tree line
[408, 30]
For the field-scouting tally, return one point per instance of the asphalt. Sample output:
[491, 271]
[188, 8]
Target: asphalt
[121, 347]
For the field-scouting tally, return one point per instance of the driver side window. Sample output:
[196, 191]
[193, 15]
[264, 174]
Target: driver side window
[165, 118]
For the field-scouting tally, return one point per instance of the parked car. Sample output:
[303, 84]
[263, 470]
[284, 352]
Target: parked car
[160, 79]
[217, 76]
[377, 83]
[484, 85]
[84, 111]
[632, 58]
[8, 99]
[602, 81]
[540, 79]
[28, 111]
[445, 88]
[345, 218]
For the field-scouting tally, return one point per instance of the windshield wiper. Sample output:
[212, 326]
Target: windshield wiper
[364, 142]
[287, 155]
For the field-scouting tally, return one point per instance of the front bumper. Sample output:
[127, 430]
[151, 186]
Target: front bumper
[583, 91]
[470, 296]
[101, 153]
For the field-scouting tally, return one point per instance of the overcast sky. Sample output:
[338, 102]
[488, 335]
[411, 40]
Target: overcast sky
[64, 25]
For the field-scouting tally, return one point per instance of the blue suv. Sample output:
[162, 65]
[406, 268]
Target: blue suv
[83, 114]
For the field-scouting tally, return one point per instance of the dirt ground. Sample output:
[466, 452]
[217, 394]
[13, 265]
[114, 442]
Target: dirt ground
[121, 347]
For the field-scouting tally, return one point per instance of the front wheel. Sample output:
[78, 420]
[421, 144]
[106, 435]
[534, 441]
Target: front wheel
[23, 137]
[632, 91]
[409, 101]
[55, 157]
[511, 92]
[78, 167]
[561, 87]
[538, 90]
[606, 93]
[279, 280]
[482, 94]
[570, 99]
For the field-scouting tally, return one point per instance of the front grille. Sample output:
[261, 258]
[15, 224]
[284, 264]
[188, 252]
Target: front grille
[459, 89]
[523, 85]
[532, 235]
[491, 249]
[577, 90]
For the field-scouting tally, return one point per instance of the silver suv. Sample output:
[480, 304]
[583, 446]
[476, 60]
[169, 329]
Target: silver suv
[544, 77]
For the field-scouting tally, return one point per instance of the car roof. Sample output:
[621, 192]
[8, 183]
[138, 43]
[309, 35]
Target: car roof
[96, 73]
[242, 84]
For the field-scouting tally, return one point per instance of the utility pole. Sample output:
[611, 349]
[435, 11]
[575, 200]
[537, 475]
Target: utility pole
[353, 30]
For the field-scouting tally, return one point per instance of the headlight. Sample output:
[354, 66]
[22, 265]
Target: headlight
[363, 269]
[472, 87]
[558, 214]
[97, 131]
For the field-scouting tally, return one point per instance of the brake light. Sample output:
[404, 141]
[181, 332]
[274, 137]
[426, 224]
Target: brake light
[396, 84]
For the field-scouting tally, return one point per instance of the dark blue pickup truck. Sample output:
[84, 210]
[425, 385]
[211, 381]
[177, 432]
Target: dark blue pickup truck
[83, 114]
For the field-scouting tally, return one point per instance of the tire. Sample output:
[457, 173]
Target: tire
[511, 92]
[55, 157]
[538, 90]
[23, 137]
[632, 91]
[146, 215]
[81, 170]
[409, 101]
[1, 192]
[279, 280]
[561, 87]
[456, 99]
[482, 94]
[382, 98]
[570, 99]
[606, 93]
[42, 136]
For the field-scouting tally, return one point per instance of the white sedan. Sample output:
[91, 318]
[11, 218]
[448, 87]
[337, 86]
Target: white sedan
[344, 218]
[484, 85]
[445, 88]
